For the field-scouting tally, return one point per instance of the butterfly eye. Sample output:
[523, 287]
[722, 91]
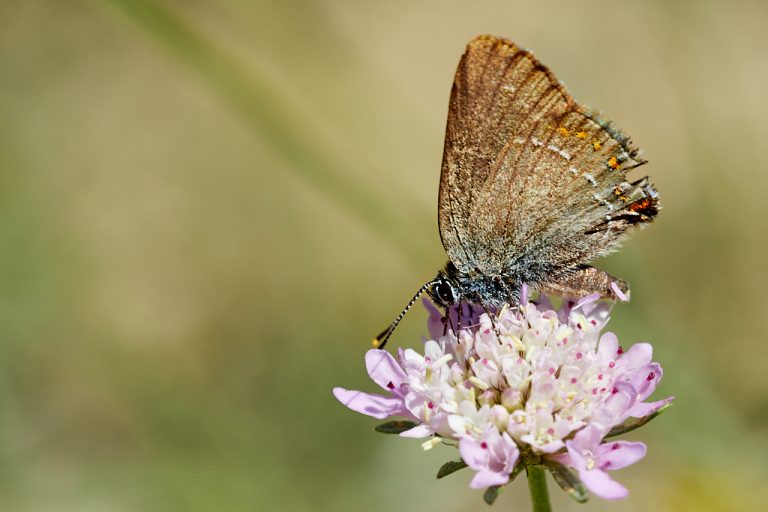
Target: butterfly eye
[443, 292]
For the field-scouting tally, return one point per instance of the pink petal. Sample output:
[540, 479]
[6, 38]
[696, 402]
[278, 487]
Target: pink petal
[589, 299]
[593, 309]
[435, 324]
[643, 379]
[543, 303]
[457, 424]
[600, 484]
[588, 438]
[487, 478]
[418, 431]
[550, 447]
[616, 407]
[649, 382]
[608, 348]
[508, 449]
[417, 404]
[504, 452]
[377, 406]
[473, 454]
[575, 459]
[638, 355]
[641, 410]
[619, 454]
[384, 370]
[620, 294]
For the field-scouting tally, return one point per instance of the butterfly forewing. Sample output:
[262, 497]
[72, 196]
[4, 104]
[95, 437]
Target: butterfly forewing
[529, 178]
[490, 100]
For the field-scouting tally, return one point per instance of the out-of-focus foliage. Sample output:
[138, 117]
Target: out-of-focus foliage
[208, 208]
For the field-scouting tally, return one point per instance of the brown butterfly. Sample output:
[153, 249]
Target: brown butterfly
[533, 186]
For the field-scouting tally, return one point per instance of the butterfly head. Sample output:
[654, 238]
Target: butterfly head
[443, 291]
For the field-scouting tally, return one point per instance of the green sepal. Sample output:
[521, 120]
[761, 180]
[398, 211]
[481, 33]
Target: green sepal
[491, 493]
[450, 467]
[395, 427]
[519, 467]
[568, 481]
[633, 423]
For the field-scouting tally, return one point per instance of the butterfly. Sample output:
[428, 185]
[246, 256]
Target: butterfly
[533, 186]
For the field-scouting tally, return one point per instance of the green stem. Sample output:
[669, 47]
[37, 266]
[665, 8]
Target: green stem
[537, 484]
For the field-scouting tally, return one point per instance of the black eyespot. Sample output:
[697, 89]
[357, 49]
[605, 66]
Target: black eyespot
[444, 292]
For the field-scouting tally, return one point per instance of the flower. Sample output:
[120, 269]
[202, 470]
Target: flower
[591, 459]
[493, 457]
[533, 385]
[385, 372]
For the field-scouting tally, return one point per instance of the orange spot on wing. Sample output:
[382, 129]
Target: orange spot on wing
[563, 131]
[581, 135]
[646, 208]
[613, 163]
[641, 206]
[596, 145]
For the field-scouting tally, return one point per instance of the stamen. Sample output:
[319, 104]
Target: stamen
[441, 361]
[428, 445]
[479, 383]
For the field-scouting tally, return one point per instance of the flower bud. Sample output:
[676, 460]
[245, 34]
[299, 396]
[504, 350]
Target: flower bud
[512, 398]
[499, 417]
[488, 397]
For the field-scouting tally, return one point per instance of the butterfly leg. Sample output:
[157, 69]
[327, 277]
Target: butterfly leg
[446, 321]
[493, 320]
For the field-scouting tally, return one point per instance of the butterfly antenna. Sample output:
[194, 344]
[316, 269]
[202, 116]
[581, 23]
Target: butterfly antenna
[381, 340]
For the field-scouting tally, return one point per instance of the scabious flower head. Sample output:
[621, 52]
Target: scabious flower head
[525, 385]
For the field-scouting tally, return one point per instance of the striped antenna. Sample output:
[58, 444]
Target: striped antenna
[381, 340]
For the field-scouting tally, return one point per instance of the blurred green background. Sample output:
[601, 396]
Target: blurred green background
[208, 208]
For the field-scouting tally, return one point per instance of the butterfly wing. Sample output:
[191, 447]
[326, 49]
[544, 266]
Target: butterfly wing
[496, 88]
[532, 183]
[585, 280]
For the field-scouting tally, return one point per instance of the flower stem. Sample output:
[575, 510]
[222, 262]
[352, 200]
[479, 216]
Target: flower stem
[537, 484]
